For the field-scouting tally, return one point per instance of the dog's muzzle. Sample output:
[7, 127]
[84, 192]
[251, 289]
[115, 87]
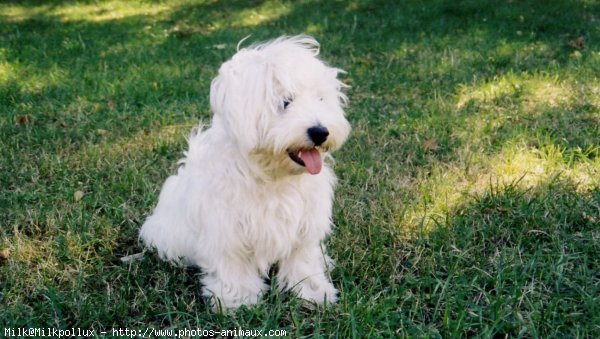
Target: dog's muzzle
[310, 158]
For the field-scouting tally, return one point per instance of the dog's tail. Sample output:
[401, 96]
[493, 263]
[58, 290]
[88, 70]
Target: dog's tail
[193, 142]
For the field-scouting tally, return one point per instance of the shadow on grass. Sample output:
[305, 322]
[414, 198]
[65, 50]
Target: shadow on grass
[512, 261]
[165, 59]
[520, 257]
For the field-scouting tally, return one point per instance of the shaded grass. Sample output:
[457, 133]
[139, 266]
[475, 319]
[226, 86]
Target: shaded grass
[468, 200]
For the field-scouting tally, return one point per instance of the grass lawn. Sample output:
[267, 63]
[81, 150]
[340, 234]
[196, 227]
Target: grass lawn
[468, 201]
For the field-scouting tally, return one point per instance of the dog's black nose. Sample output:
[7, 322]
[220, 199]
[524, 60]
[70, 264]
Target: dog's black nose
[318, 134]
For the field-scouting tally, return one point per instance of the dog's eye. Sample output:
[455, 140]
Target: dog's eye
[286, 103]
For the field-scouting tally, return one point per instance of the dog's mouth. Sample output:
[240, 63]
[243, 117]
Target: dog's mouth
[309, 158]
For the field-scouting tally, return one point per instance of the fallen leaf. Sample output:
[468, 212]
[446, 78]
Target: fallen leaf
[63, 125]
[23, 119]
[430, 145]
[578, 43]
[185, 31]
[111, 104]
[4, 255]
[78, 195]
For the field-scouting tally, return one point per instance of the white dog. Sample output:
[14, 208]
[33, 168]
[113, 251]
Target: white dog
[256, 188]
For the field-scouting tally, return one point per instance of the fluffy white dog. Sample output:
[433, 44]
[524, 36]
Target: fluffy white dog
[256, 188]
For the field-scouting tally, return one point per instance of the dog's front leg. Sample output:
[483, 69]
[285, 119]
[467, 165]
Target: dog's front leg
[305, 272]
[233, 285]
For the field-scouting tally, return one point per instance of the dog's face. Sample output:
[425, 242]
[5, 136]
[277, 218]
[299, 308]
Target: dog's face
[281, 105]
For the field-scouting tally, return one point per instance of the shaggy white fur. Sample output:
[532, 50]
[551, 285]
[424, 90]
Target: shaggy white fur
[256, 188]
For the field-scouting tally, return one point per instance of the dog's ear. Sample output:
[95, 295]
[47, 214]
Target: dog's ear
[241, 95]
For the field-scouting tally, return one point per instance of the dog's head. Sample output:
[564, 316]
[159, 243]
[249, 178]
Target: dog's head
[281, 104]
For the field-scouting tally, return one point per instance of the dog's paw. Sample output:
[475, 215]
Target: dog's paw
[228, 296]
[319, 291]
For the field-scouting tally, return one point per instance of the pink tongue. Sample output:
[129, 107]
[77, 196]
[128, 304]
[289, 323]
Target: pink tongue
[312, 160]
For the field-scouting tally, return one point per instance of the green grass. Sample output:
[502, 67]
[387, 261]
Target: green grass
[469, 192]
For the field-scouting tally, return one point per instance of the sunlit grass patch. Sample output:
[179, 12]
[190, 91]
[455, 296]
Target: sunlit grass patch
[549, 92]
[6, 70]
[110, 10]
[91, 11]
[263, 14]
[12, 13]
[524, 92]
[450, 185]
